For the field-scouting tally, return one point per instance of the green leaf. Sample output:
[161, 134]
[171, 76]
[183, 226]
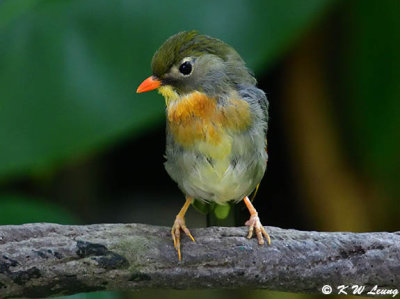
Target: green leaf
[12, 9]
[371, 74]
[95, 295]
[222, 211]
[201, 206]
[69, 69]
[16, 209]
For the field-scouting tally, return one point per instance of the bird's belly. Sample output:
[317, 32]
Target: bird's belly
[213, 173]
[217, 182]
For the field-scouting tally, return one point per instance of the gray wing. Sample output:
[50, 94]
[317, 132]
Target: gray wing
[258, 102]
[259, 107]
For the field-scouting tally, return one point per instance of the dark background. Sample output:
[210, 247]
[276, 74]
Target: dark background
[78, 145]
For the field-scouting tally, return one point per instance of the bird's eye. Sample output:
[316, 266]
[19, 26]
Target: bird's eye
[185, 68]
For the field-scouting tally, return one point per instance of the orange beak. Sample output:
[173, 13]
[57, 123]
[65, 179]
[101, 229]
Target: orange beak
[149, 84]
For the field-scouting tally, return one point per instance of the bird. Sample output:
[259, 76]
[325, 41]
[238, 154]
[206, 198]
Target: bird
[216, 125]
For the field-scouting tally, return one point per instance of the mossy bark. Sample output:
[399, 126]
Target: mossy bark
[40, 260]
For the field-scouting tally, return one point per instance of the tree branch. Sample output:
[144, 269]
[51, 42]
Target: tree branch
[40, 260]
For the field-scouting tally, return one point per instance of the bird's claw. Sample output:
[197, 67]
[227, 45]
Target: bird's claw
[254, 223]
[176, 233]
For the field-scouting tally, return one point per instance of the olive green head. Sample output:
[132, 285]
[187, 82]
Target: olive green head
[189, 61]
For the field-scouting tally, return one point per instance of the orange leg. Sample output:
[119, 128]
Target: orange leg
[180, 224]
[254, 223]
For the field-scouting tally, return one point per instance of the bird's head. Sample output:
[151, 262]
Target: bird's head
[189, 62]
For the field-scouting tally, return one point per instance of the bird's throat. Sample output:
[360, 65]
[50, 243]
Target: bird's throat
[169, 94]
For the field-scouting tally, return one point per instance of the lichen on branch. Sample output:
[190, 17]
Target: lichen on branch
[42, 259]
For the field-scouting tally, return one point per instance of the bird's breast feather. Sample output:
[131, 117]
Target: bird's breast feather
[198, 118]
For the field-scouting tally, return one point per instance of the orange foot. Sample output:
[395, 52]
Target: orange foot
[255, 223]
[176, 233]
[179, 225]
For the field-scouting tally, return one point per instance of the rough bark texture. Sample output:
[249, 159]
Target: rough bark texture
[39, 260]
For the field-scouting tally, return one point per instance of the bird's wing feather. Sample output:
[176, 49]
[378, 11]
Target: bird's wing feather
[258, 102]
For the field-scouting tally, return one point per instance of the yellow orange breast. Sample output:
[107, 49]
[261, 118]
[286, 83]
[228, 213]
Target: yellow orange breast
[197, 118]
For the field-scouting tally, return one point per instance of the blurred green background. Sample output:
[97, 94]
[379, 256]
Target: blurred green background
[77, 145]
